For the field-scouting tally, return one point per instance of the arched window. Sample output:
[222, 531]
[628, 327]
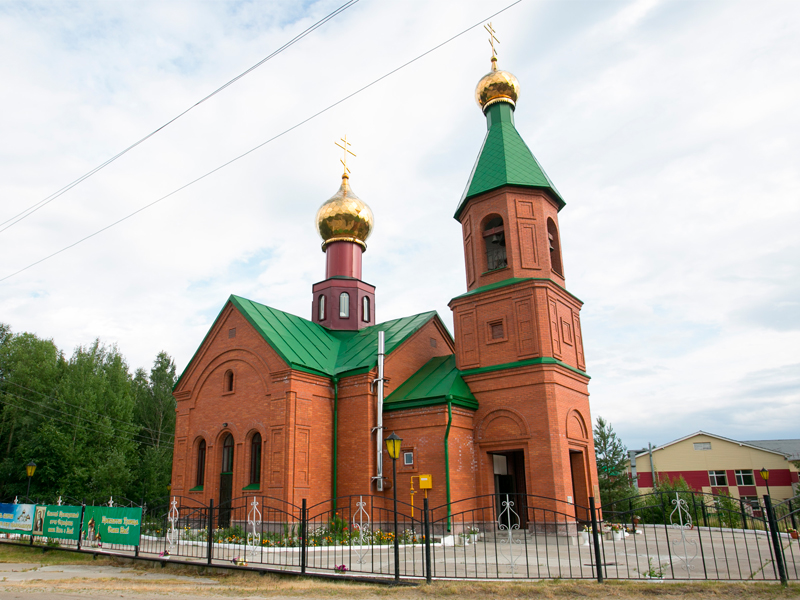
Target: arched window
[321, 308]
[255, 459]
[344, 305]
[365, 309]
[228, 386]
[555, 247]
[495, 239]
[201, 462]
[227, 454]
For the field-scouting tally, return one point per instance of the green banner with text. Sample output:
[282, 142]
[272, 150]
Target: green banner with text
[112, 525]
[62, 522]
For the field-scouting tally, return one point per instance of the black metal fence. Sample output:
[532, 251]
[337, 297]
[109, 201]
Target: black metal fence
[669, 535]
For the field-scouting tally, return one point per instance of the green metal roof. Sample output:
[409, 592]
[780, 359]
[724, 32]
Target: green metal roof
[505, 159]
[438, 381]
[512, 281]
[307, 346]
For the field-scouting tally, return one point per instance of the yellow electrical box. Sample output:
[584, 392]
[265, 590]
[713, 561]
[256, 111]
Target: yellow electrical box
[425, 482]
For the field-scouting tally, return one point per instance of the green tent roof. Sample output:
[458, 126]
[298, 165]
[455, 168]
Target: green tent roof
[307, 346]
[505, 159]
[436, 382]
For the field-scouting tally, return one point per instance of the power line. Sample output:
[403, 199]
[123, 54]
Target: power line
[54, 399]
[33, 208]
[117, 432]
[233, 160]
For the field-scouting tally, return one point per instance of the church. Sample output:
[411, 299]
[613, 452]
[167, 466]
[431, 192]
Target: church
[275, 404]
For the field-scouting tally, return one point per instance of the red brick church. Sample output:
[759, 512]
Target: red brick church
[278, 405]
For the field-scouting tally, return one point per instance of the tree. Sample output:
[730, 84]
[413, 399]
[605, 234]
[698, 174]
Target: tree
[92, 429]
[155, 416]
[611, 456]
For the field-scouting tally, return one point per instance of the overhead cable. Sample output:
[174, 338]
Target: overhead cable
[33, 208]
[261, 145]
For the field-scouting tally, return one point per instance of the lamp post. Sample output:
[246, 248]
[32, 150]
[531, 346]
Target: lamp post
[765, 476]
[393, 448]
[30, 469]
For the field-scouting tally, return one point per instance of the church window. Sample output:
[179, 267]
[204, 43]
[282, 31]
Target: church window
[365, 309]
[255, 459]
[555, 247]
[344, 305]
[321, 308]
[232, 332]
[201, 463]
[408, 458]
[497, 331]
[433, 342]
[495, 239]
[227, 454]
[228, 386]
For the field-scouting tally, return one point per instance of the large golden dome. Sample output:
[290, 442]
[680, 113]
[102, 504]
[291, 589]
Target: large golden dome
[497, 86]
[345, 217]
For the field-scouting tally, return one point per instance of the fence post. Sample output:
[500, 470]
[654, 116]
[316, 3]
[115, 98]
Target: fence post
[776, 543]
[427, 530]
[596, 538]
[210, 530]
[794, 525]
[141, 522]
[303, 527]
[744, 514]
[80, 525]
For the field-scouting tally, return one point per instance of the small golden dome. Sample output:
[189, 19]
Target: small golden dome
[497, 86]
[345, 217]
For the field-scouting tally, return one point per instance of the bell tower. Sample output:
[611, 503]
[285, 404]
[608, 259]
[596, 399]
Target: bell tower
[518, 335]
[342, 300]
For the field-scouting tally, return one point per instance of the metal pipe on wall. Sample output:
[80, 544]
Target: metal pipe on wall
[379, 420]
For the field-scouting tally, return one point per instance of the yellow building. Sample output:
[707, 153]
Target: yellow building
[717, 465]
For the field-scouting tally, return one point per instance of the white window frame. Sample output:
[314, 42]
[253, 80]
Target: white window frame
[406, 454]
[712, 475]
[741, 474]
[702, 445]
[365, 308]
[321, 307]
[344, 305]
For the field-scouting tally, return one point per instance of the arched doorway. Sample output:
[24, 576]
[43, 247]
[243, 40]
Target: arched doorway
[226, 482]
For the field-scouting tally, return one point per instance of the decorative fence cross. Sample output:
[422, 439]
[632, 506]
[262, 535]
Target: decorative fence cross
[172, 517]
[254, 520]
[508, 521]
[684, 524]
[364, 531]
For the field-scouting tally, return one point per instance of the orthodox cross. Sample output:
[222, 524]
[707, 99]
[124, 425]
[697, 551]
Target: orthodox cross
[492, 37]
[347, 151]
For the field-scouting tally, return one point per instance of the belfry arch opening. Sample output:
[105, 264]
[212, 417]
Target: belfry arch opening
[494, 238]
[555, 247]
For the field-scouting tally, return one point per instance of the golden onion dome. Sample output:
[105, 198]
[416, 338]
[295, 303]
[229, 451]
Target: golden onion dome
[345, 218]
[497, 86]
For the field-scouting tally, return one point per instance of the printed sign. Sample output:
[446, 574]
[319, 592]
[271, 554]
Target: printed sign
[63, 522]
[116, 525]
[16, 518]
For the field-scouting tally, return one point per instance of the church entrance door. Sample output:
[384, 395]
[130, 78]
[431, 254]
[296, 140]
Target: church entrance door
[580, 490]
[509, 486]
[226, 482]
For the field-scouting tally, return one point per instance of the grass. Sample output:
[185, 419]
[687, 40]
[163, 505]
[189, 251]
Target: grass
[237, 584]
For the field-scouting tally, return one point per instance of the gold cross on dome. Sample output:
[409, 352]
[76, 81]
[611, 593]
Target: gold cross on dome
[344, 146]
[492, 37]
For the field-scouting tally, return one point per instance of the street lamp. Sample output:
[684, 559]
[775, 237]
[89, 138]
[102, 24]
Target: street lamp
[393, 448]
[765, 476]
[30, 469]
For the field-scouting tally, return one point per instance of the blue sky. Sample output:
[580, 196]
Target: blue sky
[670, 129]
